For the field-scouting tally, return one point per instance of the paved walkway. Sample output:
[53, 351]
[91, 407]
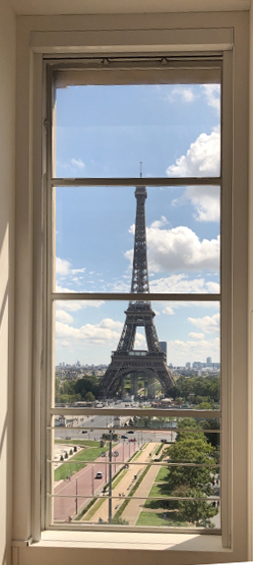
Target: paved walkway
[135, 506]
[124, 486]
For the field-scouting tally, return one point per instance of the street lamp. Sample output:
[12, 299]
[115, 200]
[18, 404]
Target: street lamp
[110, 479]
[76, 496]
[116, 454]
[92, 480]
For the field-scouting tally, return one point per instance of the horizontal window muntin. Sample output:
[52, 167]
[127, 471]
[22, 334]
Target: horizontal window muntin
[106, 497]
[61, 182]
[173, 420]
[164, 412]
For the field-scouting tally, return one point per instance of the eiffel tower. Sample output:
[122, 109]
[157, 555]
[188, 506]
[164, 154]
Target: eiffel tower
[150, 365]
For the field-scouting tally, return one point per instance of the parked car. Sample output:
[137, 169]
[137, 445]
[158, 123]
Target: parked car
[130, 432]
[132, 439]
[99, 475]
[124, 437]
[84, 431]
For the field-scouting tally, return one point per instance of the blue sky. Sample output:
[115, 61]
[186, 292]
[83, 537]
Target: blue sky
[106, 131]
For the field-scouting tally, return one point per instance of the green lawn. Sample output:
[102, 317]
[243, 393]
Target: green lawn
[74, 464]
[162, 474]
[155, 519]
[117, 481]
[93, 510]
[82, 442]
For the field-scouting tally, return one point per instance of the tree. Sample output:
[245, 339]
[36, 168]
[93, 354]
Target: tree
[191, 448]
[86, 384]
[89, 397]
[197, 512]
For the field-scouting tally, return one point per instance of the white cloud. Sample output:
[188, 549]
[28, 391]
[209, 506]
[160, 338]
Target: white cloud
[179, 352]
[202, 159]
[75, 271]
[208, 324]
[206, 200]
[169, 311]
[75, 305]
[63, 316]
[196, 336]
[212, 93]
[181, 248]
[182, 284]
[107, 331]
[184, 93]
[159, 223]
[78, 163]
[62, 266]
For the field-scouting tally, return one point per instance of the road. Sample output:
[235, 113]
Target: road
[124, 486]
[83, 483]
[92, 433]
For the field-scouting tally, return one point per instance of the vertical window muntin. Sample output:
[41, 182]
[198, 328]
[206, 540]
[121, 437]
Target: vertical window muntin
[53, 296]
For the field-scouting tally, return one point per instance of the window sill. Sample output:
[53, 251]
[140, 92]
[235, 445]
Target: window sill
[135, 541]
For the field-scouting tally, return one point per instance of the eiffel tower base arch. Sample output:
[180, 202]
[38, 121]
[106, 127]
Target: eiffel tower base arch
[150, 366]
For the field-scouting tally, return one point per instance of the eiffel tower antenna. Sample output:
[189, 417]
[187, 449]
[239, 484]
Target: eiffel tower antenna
[151, 363]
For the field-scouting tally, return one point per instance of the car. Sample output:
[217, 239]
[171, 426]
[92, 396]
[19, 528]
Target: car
[130, 432]
[124, 437]
[132, 439]
[99, 475]
[103, 454]
[164, 440]
[84, 431]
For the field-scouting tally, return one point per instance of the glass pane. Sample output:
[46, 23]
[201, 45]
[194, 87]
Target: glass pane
[140, 475]
[168, 238]
[164, 354]
[106, 130]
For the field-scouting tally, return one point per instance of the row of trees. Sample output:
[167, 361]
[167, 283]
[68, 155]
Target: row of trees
[187, 389]
[194, 482]
[197, 389]
[68, 392]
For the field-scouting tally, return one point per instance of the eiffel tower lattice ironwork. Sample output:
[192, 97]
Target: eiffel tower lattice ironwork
[125, 361]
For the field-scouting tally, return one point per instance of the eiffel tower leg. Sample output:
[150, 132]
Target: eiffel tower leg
[151, 388]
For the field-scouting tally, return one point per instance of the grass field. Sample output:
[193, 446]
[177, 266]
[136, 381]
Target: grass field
[117, 481]
[163, 519]
[93, 510]
[74, 464]
[162, 474]
[82, 442]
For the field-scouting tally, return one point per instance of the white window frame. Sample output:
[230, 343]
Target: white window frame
[28, 395]
[130, 69]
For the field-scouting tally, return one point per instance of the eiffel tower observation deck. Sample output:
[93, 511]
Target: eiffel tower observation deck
[148, 365]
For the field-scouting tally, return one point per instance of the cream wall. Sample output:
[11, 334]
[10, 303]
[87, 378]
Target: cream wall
[7, 172]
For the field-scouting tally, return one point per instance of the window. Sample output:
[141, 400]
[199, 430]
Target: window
[195, 35]
[134, 266]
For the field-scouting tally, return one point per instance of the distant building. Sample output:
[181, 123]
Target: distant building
[188, 365]
[163, 345]
[209, 360]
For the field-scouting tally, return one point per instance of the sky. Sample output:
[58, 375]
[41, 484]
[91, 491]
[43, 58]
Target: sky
[105, 131]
